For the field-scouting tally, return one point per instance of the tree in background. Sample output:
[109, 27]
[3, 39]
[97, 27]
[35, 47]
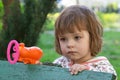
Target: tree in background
[23, 23]
[112, 7]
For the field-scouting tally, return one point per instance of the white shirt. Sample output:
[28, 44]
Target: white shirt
[99, 64]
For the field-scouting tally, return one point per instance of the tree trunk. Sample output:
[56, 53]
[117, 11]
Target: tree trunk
[7, 11]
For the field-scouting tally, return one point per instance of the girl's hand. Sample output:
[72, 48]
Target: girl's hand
[38, 62]
[74, 69]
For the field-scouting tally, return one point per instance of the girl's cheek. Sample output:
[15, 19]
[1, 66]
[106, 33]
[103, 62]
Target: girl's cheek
[62, 46]
[63, 50]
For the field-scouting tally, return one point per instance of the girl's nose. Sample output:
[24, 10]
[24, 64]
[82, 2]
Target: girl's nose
[70, 44]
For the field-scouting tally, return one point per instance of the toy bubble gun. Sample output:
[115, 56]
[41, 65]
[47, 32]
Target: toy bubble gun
[20, 53]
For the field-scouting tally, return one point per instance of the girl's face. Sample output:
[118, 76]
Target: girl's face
[75, 46]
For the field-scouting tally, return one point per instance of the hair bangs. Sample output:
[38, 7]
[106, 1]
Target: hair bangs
[69, 24]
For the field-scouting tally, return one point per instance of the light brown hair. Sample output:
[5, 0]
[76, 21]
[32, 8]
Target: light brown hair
[82, 18]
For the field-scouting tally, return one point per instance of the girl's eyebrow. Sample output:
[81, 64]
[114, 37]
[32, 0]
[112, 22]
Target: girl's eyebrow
[80, 33]
[61, 36]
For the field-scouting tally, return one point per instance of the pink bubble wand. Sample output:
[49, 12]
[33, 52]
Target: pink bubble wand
[14, 45]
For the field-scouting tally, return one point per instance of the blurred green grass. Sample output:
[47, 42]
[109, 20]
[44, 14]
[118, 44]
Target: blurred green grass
[46, 43]
[111, 48]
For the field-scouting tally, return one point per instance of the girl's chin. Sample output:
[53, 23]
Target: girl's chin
[73, 58]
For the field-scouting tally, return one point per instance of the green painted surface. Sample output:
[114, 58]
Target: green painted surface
[20, 71]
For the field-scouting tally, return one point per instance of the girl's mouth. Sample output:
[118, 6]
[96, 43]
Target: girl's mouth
[71, 52]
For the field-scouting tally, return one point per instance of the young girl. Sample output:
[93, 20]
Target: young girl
[78, 38]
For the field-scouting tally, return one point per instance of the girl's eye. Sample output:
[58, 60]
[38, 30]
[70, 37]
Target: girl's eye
[77, 37]
[62, 39]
